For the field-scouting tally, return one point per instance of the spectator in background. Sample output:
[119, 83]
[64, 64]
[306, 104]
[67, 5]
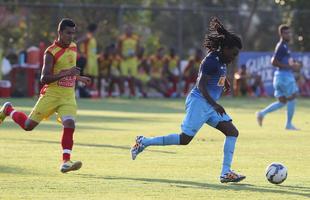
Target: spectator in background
[172, 71]
[88, 49]
[191, 70]
[241, 79]
[142, 78]
[304, 85]
[104, 63]
[257, 87]
[158, 80]
[115, 71]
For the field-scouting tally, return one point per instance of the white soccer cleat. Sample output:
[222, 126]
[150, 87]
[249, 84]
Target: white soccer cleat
[137, 148]
[3, 111]
[70, 166]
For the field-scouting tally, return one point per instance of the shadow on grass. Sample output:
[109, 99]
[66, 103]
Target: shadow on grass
[199, 185]
[12, 170]
[127, 148]
[130, 105]
[110, 119]
[58, 127]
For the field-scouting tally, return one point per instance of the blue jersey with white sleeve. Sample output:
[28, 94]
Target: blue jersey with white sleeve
[212, 66]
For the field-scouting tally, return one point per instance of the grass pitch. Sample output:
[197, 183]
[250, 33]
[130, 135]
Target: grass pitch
[106, 129]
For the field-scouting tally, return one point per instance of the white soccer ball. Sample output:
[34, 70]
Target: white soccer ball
[276, 173]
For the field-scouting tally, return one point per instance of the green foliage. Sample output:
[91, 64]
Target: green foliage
[173, 23]
[296, 13]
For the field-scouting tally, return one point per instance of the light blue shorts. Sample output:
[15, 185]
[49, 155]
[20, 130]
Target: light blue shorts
[198, 112]
[284, 86]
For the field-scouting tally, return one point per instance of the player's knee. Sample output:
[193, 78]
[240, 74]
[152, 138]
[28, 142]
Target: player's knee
[291, 97]
[69, 123]
[28, 128]
[185, 139]
[235, 132]
[29, 125]
[282, 100]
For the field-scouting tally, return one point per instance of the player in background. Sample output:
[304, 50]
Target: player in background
[284, 83]
[59, 74]
[201, 104]
[127, 46]
[88, 49]
[172, 71]
[115, 72]
[157, 64]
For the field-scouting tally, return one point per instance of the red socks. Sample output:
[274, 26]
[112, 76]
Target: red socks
[67, 143]
[18, 117]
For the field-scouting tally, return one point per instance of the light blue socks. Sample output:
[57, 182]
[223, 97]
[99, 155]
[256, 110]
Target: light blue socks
[272, 107]
[229, 147]
[290, 112]
[172, 139]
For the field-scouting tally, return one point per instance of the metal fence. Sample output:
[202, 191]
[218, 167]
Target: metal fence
[174, 26]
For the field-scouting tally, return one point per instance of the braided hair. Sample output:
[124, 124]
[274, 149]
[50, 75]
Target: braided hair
[218, 37]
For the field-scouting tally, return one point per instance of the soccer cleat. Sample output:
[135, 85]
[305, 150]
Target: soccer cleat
[231, 176]
[3, 111]
[137, 148]
[70, 166]
[259, 118]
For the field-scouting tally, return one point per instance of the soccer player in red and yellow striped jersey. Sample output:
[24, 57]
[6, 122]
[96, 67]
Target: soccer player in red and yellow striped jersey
[59, 74]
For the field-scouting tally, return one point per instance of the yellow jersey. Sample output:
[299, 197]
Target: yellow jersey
[157, 65]
[64, 59]
[129, 44]
[173, 62]
[89, 48]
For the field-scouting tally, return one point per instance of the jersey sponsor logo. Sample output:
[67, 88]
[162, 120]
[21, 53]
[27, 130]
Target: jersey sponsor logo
[221, 81]
[68, 81]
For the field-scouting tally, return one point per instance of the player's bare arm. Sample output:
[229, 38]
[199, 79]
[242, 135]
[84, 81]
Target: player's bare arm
[202, 82]
[86, 80]
[292, 64]
[48, 77]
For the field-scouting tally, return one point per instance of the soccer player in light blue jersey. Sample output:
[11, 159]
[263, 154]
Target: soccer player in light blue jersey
[201, 104]
[284, 83]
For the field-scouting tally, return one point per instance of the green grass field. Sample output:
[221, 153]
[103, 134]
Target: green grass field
[106, 129]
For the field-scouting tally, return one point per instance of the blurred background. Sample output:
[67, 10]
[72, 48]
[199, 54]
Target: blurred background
[134, 37]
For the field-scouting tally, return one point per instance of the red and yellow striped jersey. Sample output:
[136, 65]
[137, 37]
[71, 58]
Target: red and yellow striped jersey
[64, 59]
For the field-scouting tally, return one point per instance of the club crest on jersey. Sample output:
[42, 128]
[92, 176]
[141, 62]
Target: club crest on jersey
[221, 81]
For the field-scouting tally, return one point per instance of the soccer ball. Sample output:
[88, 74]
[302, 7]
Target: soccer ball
[276, 173]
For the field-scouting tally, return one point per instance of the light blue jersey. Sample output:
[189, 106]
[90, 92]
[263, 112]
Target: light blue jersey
[284, 81]
[198, 110]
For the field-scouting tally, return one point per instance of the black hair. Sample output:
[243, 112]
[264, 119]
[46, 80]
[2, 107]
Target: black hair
[283, 27]
[65, 22]
[218, 37]
[92, 27]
